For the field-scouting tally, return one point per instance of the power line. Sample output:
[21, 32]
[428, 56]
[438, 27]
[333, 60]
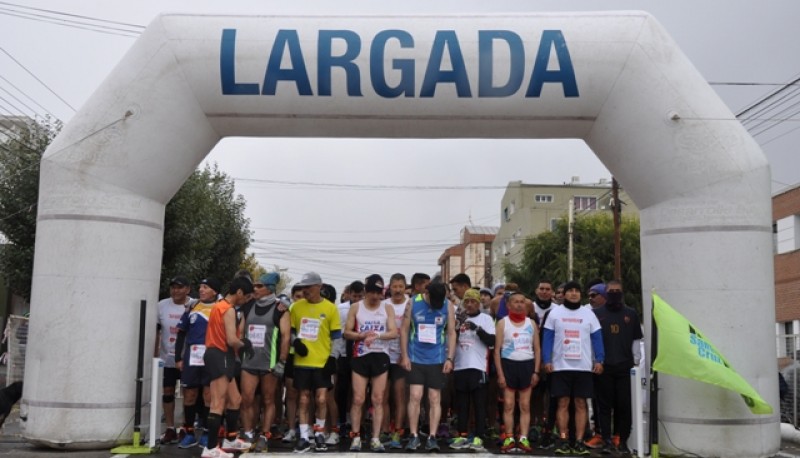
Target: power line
[768, 96]
[36, 78]
[73, 15]
[65, 23]
[367, 231]
[29, 97]
[366, 186]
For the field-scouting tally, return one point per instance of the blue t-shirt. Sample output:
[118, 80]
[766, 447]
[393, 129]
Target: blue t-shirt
[194, 323]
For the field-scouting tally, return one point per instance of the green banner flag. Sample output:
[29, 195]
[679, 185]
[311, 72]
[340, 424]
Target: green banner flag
[684, 352]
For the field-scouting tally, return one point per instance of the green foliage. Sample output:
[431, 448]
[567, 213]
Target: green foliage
[205, 231]
[545, 256]
[21, 153]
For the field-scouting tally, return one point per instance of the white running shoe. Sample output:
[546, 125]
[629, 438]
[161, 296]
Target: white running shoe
[215, 453]
[236, 445]
[289, 437]
[332, 439]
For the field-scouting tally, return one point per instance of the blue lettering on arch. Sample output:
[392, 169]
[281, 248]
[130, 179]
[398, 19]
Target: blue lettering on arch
[406, 66]
[227, 67]
[434, 73]
[516, 70]
[565, 73]
[326, 61]
[286, 39]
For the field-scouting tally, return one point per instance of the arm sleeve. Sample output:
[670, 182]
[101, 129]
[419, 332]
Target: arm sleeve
[548, 339]
[636, 348]
[336, 334]
[597, 346]
[486, 338]
[179, 345]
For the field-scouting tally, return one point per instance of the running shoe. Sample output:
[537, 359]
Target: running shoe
[477, 444]
[203, 441]
[394, 441]
[562, 447]
[236, 445]
[459, 443]
[215, 453]
[432, 445]
[580, 449]
[375, 445]
[303, 445]
[509, 445]
[623, 449]
[169, 437]
[289, 437]
[262, 444]
[595, 442]
[413, 443]
[355, 444]
[333, 438]
[608, 447]
[524, 445]
[189, 440]
[443, 431]
[319, 443]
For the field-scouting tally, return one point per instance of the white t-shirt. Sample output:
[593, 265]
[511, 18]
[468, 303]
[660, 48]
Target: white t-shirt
[572, 348]
[471, 353]
[393, 347]
[169, 314]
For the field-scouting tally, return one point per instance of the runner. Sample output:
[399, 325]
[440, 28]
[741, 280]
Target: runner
[371, 324]
[397, 374]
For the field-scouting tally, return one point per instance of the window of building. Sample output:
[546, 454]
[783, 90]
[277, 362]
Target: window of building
[506, 215]
[512, 208]
[505, 248]
[543, 198]
[787, 234]
[494, 255]
[585, 202]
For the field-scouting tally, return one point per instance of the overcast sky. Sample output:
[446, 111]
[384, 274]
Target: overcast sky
[346, 233]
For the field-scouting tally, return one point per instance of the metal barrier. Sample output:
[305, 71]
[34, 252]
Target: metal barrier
[788, 353]
[16, 334]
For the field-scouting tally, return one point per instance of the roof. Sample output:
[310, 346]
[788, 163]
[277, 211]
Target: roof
[482, 230]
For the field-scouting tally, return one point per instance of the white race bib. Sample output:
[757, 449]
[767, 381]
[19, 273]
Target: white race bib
[427, 333]
[522, 341]
[572, 344]
[257, 333]
[309, 329]
[196, 353]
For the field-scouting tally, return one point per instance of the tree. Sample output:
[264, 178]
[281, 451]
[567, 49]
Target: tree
[545, 256]
[24, 142]
[251, 264]
[205, 231]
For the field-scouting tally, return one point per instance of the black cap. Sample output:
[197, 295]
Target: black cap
[572, 284]
[374, 284]
[436, 294]
[180, 280]
[212, 283]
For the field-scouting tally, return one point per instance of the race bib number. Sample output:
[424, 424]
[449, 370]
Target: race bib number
[466, 339]
[309, 329]
[427, 333]
[522, 341]
[572, 344]
[196, 353]
[257, 334]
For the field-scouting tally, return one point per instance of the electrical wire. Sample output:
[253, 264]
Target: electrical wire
[36, 78]
[62, 22]
[30, 98]
[61, 13]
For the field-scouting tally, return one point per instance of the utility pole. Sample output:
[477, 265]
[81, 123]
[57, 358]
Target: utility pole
[570, 221]
[617, 242]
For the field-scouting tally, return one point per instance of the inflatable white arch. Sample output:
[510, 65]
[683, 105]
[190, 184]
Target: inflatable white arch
[615, 80]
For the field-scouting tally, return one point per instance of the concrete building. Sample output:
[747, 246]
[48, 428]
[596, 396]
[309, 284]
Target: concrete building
[530, 209]
[471, 256]
[786, 227]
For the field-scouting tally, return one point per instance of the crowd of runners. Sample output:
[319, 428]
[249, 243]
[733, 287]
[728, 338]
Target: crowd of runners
[408, 365]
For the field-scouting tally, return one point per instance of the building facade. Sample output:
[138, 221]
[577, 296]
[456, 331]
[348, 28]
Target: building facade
[527, 210]
[786, 229]
[472, 256]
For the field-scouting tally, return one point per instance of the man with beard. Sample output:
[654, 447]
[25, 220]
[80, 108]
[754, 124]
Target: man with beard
[572, 350]
[621, 334]
[427, 346]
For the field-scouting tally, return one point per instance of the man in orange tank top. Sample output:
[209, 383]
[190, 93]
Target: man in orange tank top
[220, 362]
